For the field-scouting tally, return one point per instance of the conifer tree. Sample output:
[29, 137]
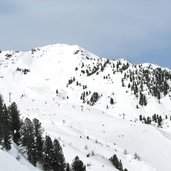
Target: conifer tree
[148, 120]
[143, 100]
[140, 117]
[26, 132]
[58, 157]
[15, 122]
[111, 101]
[166, 88]
[158, 95]
[28, 140]
[154, 117]
[6, 129]
[47, 153]
[78, 165]
[38, 131]
[68, 168]
[160, 121]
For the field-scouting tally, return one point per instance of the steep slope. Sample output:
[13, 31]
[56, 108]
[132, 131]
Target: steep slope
[9, 163]
[98, 135]
[92, 105]
[6, 159]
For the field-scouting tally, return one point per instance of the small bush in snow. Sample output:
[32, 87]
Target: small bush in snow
[18, 157]
[88, 164]
[96, 141]
[125, 152]
[88, 155]
[136, 156]
[92, 153]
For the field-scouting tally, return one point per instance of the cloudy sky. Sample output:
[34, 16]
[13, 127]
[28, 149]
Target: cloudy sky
[138, 30]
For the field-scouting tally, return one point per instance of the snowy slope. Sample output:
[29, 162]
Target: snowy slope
[10, 163]
[40, 72]
[49, 82]
[14, 165]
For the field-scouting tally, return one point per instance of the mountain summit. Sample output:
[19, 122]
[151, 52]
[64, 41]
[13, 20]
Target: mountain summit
[73, 74]
[94, 106]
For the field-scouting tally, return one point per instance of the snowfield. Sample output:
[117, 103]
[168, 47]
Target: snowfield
[8, 163]
[38, 81]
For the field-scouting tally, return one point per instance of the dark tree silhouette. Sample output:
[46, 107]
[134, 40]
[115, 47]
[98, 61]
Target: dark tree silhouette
[78, 165]
[58, 160]
[15, 122]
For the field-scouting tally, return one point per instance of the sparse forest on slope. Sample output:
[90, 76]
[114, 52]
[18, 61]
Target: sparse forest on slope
[74, 74]
[97, 109]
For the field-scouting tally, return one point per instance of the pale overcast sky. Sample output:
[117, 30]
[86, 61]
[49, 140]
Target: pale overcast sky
[137, 30]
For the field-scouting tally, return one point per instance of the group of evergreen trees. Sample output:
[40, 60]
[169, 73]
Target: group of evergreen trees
[32, 140]
[93, 99]
[53, 158]
[117, 163]
[155, 118]
[9, 124]
[29, 135]
[153, 81]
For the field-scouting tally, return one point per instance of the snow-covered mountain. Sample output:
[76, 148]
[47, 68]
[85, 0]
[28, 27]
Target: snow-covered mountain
[76, 95]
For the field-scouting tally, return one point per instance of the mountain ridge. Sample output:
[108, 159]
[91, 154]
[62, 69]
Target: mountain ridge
[65, 67]
[93, 105]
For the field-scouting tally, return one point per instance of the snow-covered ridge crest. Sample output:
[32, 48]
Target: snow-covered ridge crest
[76, 74]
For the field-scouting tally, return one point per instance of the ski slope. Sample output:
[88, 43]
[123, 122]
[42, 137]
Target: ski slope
[94, 133]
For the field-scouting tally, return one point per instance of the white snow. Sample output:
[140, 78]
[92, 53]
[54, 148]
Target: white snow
[35, 93]
[8, 163]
